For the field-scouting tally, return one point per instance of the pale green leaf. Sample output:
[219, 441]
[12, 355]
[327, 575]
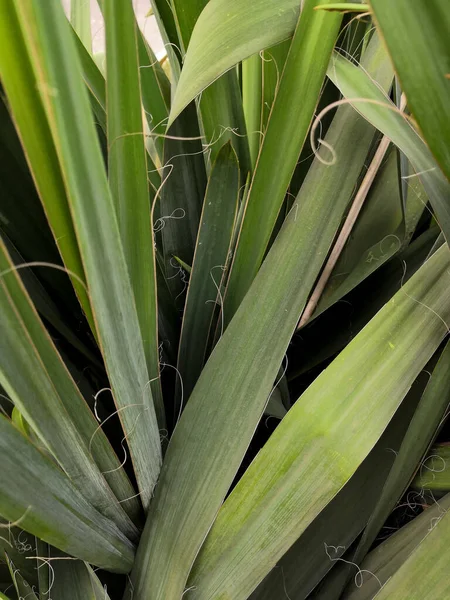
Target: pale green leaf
[226, 34]
[252, 72]
[213, 433]
[210, 261]
[127, 170]
[288, 124]
[377, 108]
[35, 492]
[425, 573]
[341, 521]
[80, 17]
[386, 559]
[92, 209]
[416, 34]
[324, 437]
[19, 80]
[40, 385]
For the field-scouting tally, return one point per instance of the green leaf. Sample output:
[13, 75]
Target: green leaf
[44, 303]
[210, 262]
[155, 90]
[43, 569]
[273, 63]
[416, 35]
[377, 235]
[252, 72]
[80, 17]
[213, 433]
[370, 101]
[18, 544]
[224, 35]
[128, 178]
[23, 218]
[421, 431]
[155, 87]
[341, 521]
[288, 125]
[424, 574]
[94, 80]
[185, 266]
[34, 490]
[221, 104]
[223, 119]
[165, 19]
[168, 319]
[324, 438]
[23, 588]
[73, 579]
[41, 387]
[20, 83]
[96, 84]
[98, 233]
[433, 473]
[387, 558]
[182, 196]
[345, 7]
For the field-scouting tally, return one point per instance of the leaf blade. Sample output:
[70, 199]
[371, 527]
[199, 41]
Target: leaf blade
[241, 370]
[418, 43]
[211, 255]
[59, 514]
[97, 233]
[303, 466]
[228, 35]
[18, 78]
[128, 178]
[370, 102]
[52, 403]
[302, 78]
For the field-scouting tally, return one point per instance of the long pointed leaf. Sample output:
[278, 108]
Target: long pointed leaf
[226, 34]
[52, 404]
[370, 101]
[19, 80]
[213, 433]
[128, 178]
[210, 261]
[416, 35]
[423, 426]
[80, 17]
[182, 195]
[68, 111]
[383, 562]
[252, 71]
[34, 490]
[287, 128]
[340, 522]
[221, 103]
[425, 573]
[324, 437]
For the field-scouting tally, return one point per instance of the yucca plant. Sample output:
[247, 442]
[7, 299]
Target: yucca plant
[224, 301]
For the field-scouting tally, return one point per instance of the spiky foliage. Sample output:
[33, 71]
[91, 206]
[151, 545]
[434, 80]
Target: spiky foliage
[224, 301]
